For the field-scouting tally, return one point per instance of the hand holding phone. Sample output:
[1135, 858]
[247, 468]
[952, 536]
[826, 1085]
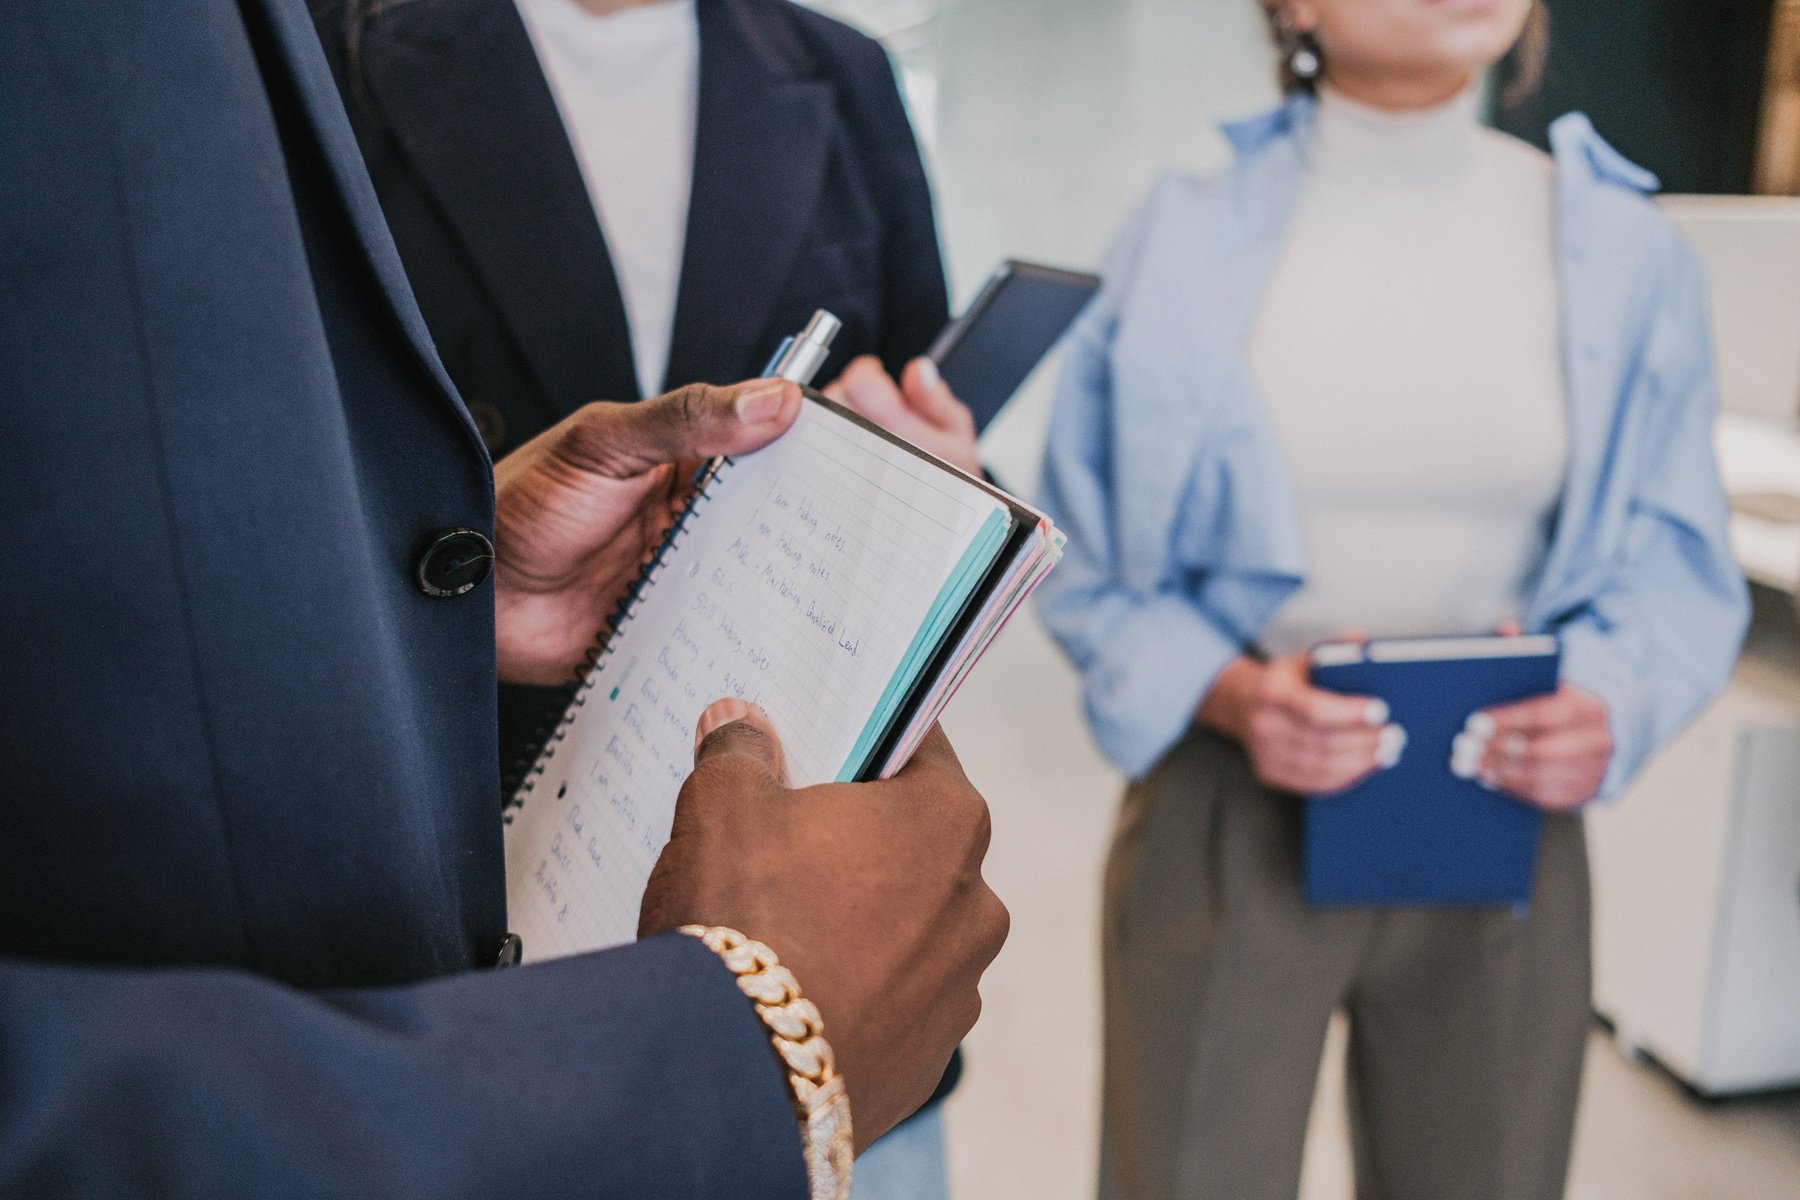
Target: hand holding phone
[985, 354]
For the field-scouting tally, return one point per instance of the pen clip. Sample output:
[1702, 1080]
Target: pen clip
[800, 357]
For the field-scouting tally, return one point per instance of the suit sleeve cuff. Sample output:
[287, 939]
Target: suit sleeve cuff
[719, 1081]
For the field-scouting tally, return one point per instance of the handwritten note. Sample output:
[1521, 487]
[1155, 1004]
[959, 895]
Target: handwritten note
[798, 584]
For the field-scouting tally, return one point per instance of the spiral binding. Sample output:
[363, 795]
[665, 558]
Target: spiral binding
[522, 776]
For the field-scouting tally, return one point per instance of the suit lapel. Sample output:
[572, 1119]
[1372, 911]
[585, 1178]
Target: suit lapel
[461, 87]
[760, 151]
[299, 45]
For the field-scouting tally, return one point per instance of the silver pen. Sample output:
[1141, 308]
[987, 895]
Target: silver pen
[799, 358]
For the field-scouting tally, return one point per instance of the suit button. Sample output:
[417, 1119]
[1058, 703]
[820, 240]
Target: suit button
[510, 949]
[455, 562]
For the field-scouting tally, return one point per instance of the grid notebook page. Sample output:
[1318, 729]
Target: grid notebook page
[800, 583]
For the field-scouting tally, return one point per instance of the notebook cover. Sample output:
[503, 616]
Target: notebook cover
[1416, 834]
[1021, 533]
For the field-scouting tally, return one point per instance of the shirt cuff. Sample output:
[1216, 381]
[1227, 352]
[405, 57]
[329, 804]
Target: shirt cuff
[1159, 662]
[1593, 663]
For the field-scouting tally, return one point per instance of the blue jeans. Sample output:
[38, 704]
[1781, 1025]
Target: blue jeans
[907, 1163]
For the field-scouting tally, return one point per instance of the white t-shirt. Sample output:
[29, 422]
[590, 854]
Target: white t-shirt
[1409, 349]
[628, 87]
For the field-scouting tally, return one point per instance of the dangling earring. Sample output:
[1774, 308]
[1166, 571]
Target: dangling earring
[1301, 49]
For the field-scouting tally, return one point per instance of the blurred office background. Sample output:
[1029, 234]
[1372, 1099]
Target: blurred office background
[1043, 121]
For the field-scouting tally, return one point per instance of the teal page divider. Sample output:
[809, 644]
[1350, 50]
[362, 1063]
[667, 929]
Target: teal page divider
[950, 600]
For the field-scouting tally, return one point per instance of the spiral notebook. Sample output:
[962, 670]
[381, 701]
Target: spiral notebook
[841, 579]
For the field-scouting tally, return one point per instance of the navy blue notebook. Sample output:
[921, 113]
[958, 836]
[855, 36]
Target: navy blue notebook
[1415, 834]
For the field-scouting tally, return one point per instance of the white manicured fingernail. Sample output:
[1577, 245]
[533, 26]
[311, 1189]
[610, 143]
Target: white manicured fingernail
[1480, 724]
[928, 373]
[1490, 782]
[1466, 751]
[1390, 746]
[1376, 714]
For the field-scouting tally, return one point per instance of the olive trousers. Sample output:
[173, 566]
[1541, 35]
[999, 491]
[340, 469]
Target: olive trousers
[1467, 1025]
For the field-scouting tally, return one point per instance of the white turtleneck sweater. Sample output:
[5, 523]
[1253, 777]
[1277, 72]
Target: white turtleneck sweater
[1409, 349]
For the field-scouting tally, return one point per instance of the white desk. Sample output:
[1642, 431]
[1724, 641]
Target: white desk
[1696, 875]
[1762, 456]
[1697, 868]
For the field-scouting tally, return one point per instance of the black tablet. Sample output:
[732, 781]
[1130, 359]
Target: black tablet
[985, 354]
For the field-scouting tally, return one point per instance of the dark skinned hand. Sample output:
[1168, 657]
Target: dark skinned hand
[581, 506]
[871, 893]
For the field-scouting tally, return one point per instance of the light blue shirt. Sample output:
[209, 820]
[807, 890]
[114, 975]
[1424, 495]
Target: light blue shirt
[1165, 470]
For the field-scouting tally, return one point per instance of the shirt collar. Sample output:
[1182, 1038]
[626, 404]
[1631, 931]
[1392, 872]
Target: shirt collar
[1574, 140]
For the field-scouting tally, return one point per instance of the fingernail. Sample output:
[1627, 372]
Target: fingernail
[1376, 715]
[760, 403]
[1390, 746]
[1466, 752]
[928, 373]
[720, 712]
[1491, 782]
[1480, 724]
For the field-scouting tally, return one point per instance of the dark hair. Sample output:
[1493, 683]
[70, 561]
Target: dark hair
[1524, 73]
[1529, 54]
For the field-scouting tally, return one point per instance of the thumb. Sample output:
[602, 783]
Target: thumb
[621, 441]
[731, 729]
[865, 389]
[929, 396]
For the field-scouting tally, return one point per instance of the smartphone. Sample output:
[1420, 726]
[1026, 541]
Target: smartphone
[985, 354]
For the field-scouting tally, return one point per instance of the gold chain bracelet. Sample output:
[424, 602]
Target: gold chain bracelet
[798, 1034]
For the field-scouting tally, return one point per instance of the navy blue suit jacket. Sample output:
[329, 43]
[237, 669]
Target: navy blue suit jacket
[808, 192]
[250, 869]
